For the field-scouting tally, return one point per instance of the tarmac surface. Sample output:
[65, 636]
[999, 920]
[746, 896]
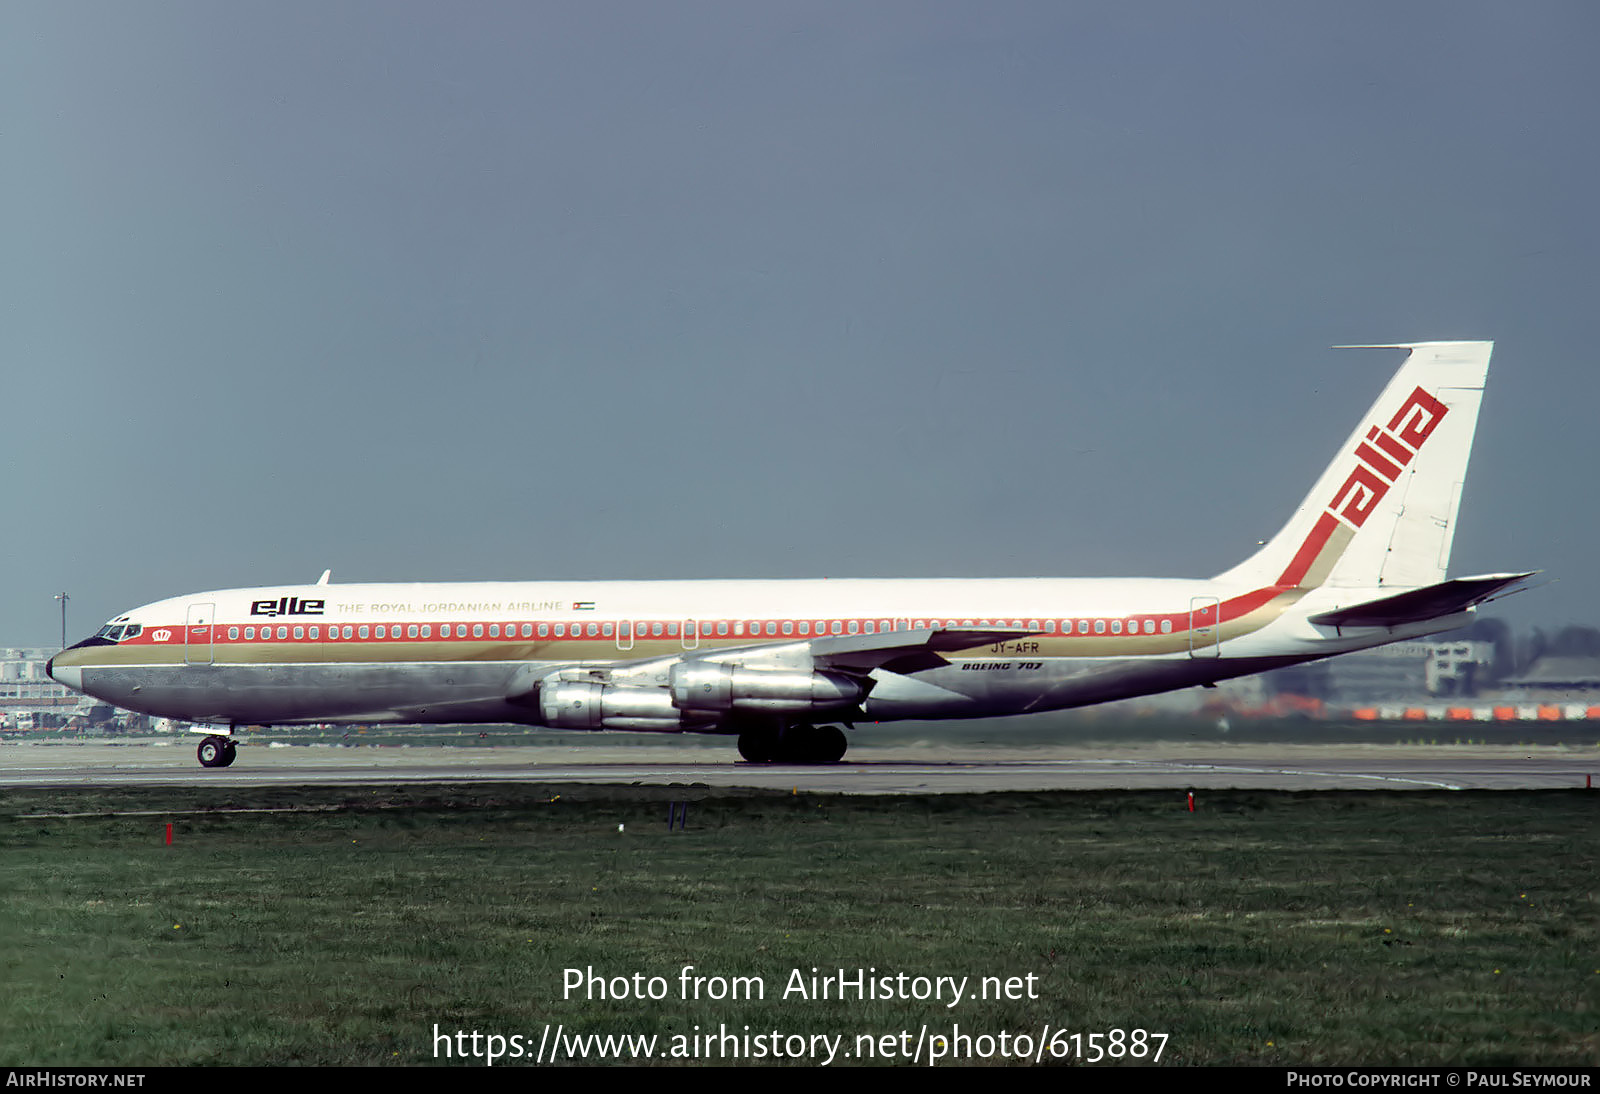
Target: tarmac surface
[887, 769]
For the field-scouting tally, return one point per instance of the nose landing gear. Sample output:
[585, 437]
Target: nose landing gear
[216, 752]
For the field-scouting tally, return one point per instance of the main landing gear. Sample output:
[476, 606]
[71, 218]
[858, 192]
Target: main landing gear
[216, 752]
[801, 744]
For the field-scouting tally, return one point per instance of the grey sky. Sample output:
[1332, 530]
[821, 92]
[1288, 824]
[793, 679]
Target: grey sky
[425, 291]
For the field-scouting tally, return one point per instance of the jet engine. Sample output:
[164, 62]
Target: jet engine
[714, 686]
[576, 704]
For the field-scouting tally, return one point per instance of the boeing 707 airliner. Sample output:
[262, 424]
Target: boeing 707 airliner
[783, 665]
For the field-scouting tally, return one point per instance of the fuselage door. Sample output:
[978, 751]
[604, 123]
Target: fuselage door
[1205, 632]
[691, 636]
[197, 640]
[625, 634]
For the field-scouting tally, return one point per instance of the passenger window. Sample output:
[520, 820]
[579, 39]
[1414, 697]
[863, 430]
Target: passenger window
[855, 626]
[1116, 626]
[494, 630]
[805, 626]
[593, 630]
[1099, 626]
[477, 630]
[364, 632]
[249, 634]
[427, 630]
[1166, 626]
[411, 631]
[722, 628]
[1149, 626]
[788, 627]
[605, 628]
[283, 632]
[348, 631]
[380, 632]
[314, 633]
[544, 630]
[527, 630]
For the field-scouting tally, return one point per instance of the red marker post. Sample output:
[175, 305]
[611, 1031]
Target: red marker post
[169, 833]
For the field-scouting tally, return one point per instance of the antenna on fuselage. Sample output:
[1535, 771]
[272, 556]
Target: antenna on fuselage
[326, 574]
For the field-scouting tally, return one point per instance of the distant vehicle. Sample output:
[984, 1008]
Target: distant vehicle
[782, 664]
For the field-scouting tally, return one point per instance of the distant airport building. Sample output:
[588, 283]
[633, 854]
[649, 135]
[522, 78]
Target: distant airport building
[1404, 671]
[1556, 676]
[29, 699]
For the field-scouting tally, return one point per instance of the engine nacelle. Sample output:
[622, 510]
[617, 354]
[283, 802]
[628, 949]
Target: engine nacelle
[714, 686]
[573, 704]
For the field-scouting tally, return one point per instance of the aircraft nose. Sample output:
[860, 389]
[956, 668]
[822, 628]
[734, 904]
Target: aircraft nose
[70, 675]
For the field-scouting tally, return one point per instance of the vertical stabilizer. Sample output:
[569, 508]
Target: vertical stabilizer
[1383, 513]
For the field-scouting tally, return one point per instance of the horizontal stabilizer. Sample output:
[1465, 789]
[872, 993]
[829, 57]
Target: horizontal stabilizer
[1419, 605]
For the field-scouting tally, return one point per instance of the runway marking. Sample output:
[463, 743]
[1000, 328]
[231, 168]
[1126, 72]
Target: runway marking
[1364, 768]
[1409, 780]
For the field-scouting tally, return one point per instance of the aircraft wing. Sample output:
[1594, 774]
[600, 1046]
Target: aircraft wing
[854, 654]
[1418, 605]
[905, 651]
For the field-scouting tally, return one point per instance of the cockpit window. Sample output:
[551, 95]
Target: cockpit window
[118, 632]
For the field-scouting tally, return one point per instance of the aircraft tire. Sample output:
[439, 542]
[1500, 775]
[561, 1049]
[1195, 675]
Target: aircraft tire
[808, 744]
[831, 744]
[758, 746]
[215, 752]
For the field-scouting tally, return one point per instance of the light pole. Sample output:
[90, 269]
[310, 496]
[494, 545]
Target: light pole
[63, 597]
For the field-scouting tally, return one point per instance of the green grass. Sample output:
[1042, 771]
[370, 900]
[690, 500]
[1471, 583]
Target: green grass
[1334, 928]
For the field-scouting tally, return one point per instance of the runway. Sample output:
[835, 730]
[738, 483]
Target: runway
[912, 769]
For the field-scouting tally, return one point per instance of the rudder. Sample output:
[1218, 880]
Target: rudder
[1382, 515]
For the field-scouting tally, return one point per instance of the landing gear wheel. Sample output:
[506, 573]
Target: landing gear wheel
[831, 744]
[805, 744]
[216, 752]
[758, 746]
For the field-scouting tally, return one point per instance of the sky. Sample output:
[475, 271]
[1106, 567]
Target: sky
[634, 290]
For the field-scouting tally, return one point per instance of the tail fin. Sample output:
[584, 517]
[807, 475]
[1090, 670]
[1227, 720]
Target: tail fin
[1383, 514]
